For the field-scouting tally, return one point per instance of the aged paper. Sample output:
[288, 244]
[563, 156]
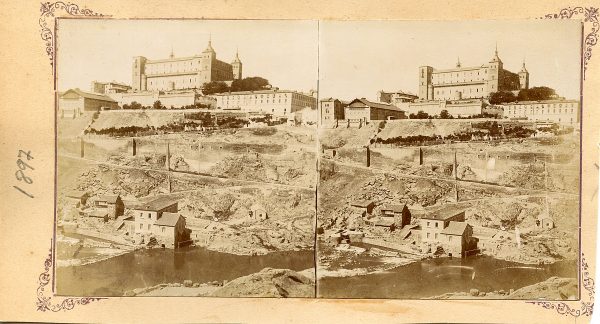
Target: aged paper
[343, 162]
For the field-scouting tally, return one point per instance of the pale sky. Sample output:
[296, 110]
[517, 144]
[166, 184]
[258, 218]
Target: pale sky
[357, 59]
[351, 59]
[284, 52]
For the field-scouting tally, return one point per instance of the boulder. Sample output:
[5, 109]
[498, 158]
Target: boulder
[474, 292]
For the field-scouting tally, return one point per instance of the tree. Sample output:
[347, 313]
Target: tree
[250, 84]
[445, 115]
[502, 97]
[420, 115]
[214, 87]
[536, 93]
[157, 105]
[136, 105]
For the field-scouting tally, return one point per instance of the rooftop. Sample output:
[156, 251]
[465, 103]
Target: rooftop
[379, 105]
[265, 91]
[361, 203]
[394, 207]
[157, 204]
[112, 199]
[444, 213]
[168, 219]
[455, 228]
[384, 221]
[84, 94]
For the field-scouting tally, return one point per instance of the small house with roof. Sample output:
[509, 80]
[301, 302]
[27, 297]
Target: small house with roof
[399, 214]
[447, 228]
[258, 212]
[363, 206]
[98, 213]
[74, 102]
[545, 221]
[170, 229]
[457, 238]
[77, 197]
[146, 214]
[112, 203]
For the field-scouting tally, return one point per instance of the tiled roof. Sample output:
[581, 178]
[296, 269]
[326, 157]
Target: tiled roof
[444, 213]
[168, 219]
[376, 104]
[88, 95]
[455, 228]
[111, 199]
[157, 204]
[394, 207]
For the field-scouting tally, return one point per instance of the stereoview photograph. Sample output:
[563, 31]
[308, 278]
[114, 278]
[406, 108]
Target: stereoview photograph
[449, 162]
[186, 158]
[271, 158]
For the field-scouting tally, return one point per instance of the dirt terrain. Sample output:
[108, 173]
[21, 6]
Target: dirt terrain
[552, 289]
[266, 283]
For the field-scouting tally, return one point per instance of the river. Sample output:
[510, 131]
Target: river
[143, 268]
[435, 277]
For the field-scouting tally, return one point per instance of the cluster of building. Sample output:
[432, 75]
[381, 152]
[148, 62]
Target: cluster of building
[156, 221]
[177, 82]
[461, 91]
[444, 231]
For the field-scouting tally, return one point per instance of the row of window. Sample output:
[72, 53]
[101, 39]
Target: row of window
[520, 111]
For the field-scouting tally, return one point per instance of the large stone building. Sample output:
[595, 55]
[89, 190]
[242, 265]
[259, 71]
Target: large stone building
[183, 72]
[277, 102]
[560, 111]
[470, 82]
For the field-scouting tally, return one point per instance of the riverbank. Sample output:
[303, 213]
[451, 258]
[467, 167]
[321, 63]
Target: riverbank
[266, 283]
[437, 277]
[78, 250]
[554, 288]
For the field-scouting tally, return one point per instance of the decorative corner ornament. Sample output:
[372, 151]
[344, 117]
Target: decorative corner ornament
[586, 308]
[48, 10]
[590, 17]
[45, 303]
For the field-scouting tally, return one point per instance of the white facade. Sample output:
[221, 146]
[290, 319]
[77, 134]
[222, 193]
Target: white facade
[277, 102]
[558, 111]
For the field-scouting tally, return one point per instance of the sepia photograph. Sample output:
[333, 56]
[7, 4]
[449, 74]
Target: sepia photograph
[318, 159]
[186, 157]
[449, 159]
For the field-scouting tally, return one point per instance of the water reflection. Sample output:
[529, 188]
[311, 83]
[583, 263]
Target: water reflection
[144, 268]
[438, 276]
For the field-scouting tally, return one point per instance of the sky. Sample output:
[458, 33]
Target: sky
[357, 59]
[283, 52]
[350, 59]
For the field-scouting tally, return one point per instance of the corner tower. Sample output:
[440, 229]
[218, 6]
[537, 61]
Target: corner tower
[425, 86]
[138, 73]
[236, 66]
[524, 77]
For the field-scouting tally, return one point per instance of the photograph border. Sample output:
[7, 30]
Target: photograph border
[53, 11]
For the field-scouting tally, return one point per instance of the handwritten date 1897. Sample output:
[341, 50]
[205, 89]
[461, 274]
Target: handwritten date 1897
[20, 173]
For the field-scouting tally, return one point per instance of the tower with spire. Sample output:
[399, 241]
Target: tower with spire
[236, 66]
[524, 77]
